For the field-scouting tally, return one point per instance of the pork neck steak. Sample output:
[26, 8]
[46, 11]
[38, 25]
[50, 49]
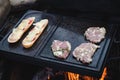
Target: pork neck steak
[84, 52]
[95, 34]
[61, 49]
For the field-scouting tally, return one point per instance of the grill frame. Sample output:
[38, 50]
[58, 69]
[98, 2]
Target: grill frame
[64, 66]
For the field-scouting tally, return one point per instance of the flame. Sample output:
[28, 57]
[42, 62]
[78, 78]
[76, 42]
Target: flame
[74, 76]
[104, 74]
[48, 78]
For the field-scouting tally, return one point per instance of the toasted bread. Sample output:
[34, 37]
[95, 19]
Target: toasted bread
[20, 30]
[33, 35]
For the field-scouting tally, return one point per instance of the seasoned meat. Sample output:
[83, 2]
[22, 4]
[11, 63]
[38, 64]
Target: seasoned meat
[84, 52]
[95, 34]
[61, 49]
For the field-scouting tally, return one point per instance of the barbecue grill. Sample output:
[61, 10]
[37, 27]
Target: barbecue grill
[62, 27]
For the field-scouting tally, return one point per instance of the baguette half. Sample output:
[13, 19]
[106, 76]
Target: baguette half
[33, 35]
[20, 30]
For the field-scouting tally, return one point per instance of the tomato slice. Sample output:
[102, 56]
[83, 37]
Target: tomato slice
[30, 21]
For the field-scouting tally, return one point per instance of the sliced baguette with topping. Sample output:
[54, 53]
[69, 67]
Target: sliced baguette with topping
[33, 35]
[20, 30]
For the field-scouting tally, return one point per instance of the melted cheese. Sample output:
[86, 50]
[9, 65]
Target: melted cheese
[32, 34]
[23, 24]
[40, 25]
[17, 33]
[58, 53]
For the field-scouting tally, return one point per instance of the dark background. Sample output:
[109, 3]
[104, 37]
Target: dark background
[105, 10]
[101, 9]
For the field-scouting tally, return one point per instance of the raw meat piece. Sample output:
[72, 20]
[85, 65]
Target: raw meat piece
[61, 49]
[85, 51]
[95, 34]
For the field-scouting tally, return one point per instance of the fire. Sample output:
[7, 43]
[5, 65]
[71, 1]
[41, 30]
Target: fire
[104, 74]
[48, 78]
[73, 76]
